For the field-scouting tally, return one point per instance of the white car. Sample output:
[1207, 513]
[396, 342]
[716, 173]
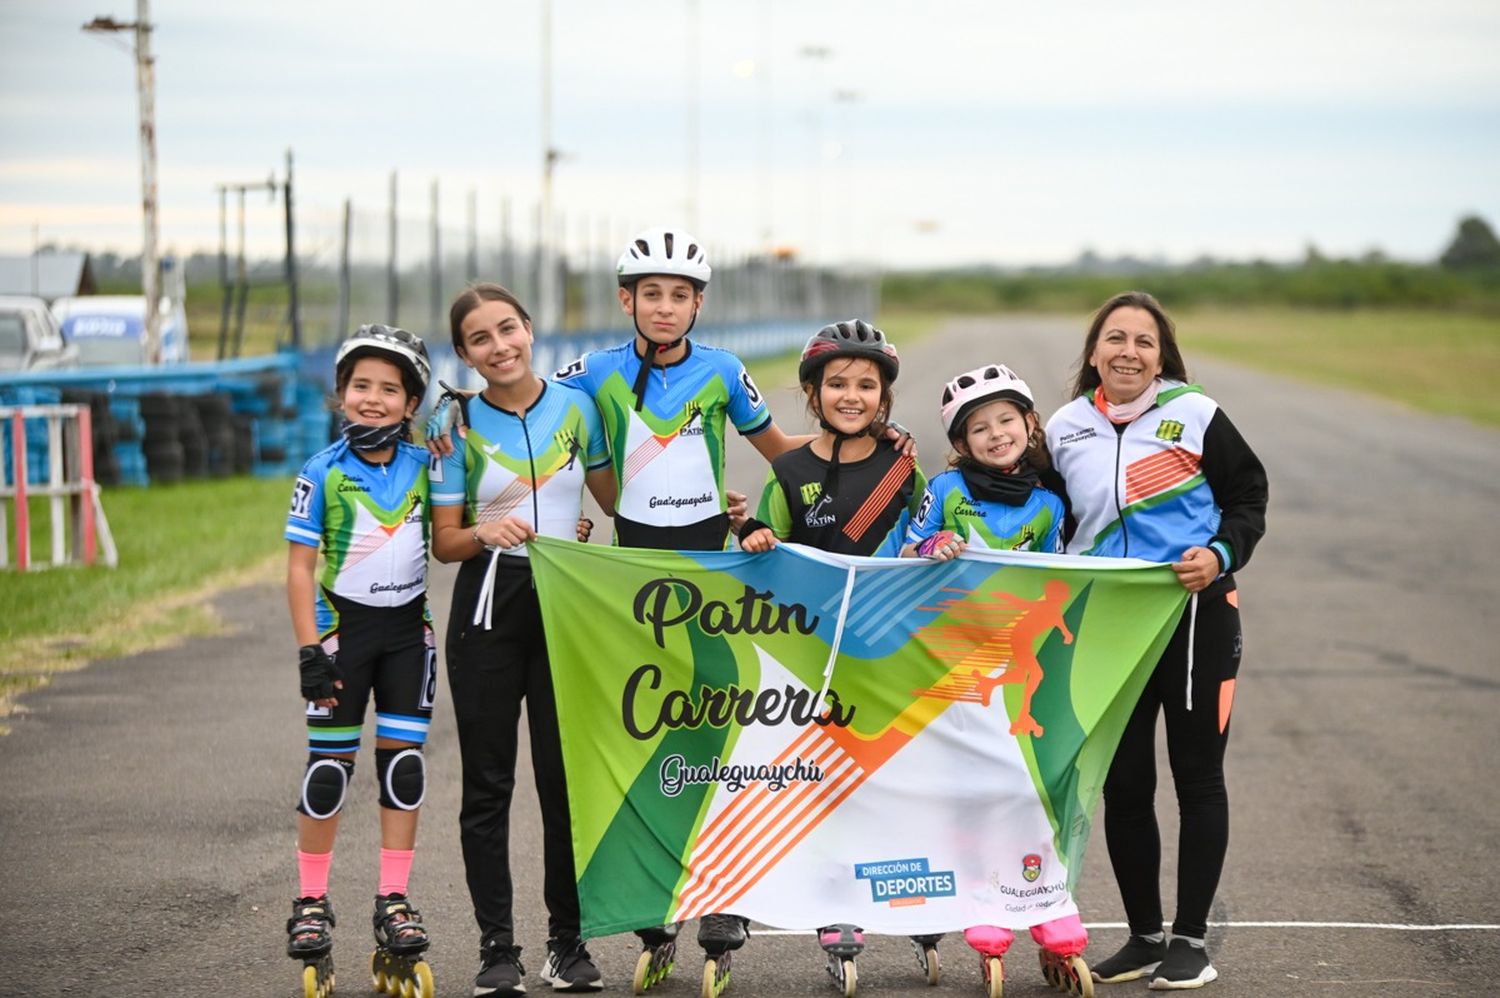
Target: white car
[111, 329]
[30, 339]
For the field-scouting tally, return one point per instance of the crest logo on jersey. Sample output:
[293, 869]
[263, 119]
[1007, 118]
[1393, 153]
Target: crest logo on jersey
[567, 441]
[810, 492]
[694, 425]
[749, 386]
[1031, 867]
[302, 493]
[819, 515]
[573, 370]
[1026, 539]
[1170, 430]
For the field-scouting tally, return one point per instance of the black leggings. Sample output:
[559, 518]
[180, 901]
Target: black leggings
[490, 673]
[1196, 740]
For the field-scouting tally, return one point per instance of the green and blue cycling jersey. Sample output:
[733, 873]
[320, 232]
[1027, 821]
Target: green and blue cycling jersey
[530, 464]
[668, 456]
[371, 521]
[948, 504]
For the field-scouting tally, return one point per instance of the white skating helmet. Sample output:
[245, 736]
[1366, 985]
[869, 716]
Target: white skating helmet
[970, 390]
[405, 350]
[664, 250]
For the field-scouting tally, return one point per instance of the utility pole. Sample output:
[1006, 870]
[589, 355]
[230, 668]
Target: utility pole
[546, 319]
[145, 76]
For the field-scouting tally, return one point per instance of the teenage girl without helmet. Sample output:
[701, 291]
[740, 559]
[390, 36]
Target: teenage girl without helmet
[992, 496]
[1154, 469]
[518, 471]
[850, 490]
[362, 626]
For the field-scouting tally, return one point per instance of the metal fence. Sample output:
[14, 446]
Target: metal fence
[392, 264]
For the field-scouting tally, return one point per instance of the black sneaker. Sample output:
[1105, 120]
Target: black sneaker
[500, 970]
[1137, 958]
[1185, 966]
[569, 967]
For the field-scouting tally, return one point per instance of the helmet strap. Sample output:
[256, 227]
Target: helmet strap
[651, 347]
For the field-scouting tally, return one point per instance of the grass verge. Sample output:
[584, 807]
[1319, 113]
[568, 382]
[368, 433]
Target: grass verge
[179, 545]
[1441, 362]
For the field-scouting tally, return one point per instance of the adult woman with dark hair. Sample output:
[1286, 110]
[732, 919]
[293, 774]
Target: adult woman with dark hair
[1154, 469]
[517, 471]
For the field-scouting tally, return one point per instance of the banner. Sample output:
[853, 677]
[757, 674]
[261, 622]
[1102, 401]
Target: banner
[805, 738]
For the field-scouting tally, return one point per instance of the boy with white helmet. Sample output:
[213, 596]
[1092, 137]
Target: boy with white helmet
[665, 401]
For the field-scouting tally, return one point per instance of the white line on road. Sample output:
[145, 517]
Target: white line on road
[1397, 926]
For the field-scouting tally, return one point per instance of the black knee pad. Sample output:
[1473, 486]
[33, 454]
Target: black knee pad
[324, 785]
[403, 777]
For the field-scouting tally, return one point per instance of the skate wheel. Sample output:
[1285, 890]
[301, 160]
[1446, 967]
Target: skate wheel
[641, 981]
[934, 971]
[425, 988]
[310, 982]
[1081, 981]
[710, 975]
[851, 978]
[994, 976]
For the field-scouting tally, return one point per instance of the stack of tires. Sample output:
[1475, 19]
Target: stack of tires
[218, 431]
[165, 456]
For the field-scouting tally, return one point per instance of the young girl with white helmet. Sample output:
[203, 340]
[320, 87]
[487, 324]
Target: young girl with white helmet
[363, 629]
[993, 497]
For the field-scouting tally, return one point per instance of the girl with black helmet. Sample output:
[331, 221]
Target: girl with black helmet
[363, 627]
[992, 496]
[849, 490]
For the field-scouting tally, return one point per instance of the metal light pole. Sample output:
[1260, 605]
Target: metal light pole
[145, 76]
[545, 290]
[694, 96]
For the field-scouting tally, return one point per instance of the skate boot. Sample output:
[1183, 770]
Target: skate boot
[309, 940]
[842, 942]
[1062, 942]
[927, 956]
[396, 966]
[658, 956]
[990, 942]
[720, 936]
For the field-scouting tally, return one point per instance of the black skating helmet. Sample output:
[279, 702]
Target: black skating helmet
[850, 338]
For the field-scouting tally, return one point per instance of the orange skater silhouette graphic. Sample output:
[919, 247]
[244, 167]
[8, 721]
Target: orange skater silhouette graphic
[1034, 621]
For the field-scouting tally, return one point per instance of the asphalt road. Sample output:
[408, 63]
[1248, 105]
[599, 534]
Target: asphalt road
[147, 834]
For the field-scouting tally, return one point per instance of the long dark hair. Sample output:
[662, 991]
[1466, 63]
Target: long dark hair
[471, 298]
[1172, 366]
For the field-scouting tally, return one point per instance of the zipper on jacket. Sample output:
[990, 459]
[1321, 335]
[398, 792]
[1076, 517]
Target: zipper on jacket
[1119, 509]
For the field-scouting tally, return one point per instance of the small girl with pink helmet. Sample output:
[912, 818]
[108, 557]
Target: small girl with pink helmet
[992, 496]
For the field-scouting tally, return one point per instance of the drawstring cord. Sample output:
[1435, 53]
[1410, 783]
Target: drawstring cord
[1192, 629]
[482, 609]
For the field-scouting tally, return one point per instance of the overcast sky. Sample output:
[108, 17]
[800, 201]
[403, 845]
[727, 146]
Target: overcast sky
[924, 133]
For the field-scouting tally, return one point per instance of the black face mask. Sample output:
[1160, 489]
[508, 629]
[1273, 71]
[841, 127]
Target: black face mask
[993, 485]
[367, 438]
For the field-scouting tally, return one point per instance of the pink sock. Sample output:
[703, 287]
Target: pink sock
[312, 871]
[395, 870]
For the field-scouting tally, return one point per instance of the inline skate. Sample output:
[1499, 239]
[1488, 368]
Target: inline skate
[927, 956]
[658, 956]
[397, 967]
[309, 940]
[843, 943]
[720, 936]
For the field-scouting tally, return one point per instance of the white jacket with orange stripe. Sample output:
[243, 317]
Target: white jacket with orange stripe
[1178, 476]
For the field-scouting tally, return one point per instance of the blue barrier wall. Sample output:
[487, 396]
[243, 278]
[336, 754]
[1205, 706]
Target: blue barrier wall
[267, 415]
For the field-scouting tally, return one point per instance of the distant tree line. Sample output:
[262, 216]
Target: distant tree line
[1466, 276]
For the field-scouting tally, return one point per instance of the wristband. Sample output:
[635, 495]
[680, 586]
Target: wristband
[475, 534]
[751, 525]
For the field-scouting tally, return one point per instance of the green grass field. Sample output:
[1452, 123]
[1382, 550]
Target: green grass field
[178, 544]
[1442, 362]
